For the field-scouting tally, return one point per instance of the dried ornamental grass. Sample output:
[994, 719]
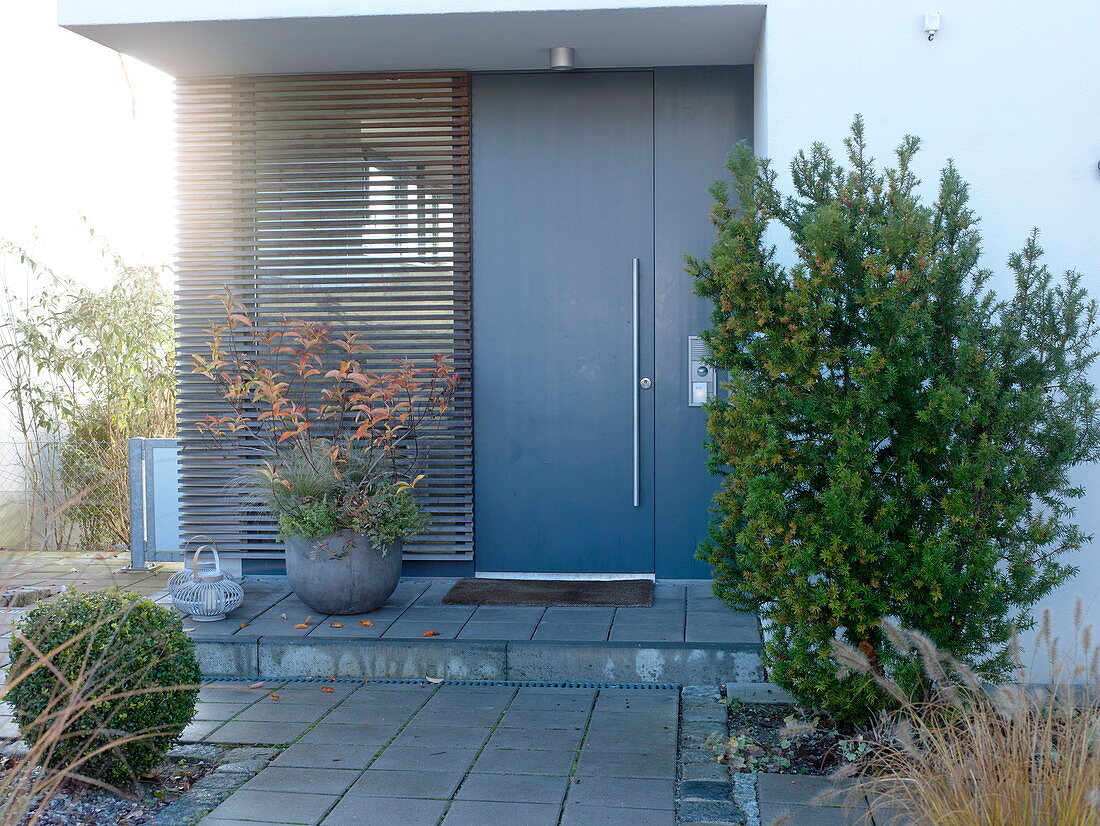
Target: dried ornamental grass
[971, 754]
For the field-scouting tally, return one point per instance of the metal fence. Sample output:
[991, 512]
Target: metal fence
[64, 495]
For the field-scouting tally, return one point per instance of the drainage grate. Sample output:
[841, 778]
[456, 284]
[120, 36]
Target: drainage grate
[410, 681]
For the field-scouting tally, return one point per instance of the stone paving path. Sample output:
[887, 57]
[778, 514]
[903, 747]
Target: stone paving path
[421, 755]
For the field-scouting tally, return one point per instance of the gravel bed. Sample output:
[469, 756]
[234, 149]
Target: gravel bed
[192, 780]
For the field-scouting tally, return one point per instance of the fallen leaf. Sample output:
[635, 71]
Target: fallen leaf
[308, 617]
[189, 629]
[244, 625]
[327, 689]
[431, 633]
[434, 680]
[282, 616]
[332, 678]
[275, 697]
[256, 685]
[336, 625]
[366, 623]
[302, 625]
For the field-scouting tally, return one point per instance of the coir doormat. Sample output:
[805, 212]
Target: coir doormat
[619, 592]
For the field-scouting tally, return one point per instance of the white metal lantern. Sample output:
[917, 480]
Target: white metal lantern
[208, 594]
[185, 575]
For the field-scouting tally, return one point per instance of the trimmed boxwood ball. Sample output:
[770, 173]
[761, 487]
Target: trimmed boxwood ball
[129, 651]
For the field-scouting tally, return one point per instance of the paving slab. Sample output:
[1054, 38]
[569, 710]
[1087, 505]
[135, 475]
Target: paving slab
[199, 730]
[565, 699]
[538, 739]
[461, 698]
[572, 631]
[368, 714]
[331, 755]
[614, 816]
[272, 711]
[809, 815]
[623, 793]
[275, 807]
[440, 785]
[579, 614]
[544, 719]
[785, 788]
[642, 738]
[302, 780]
[484, 813]
[474, 717]
[385, 811]
[477, 630]
[252, 732]
[420, 736]
[359, 734]
[418, 758]
[508, 613]
[657, 763]
[525, 761]
[514, 788]
[219, 711]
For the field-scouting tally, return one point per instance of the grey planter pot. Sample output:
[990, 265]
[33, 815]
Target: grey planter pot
[342, 573]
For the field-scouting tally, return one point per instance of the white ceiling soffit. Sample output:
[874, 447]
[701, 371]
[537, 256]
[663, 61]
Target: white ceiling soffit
[483, 41]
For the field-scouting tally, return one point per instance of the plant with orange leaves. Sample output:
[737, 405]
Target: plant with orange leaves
[343, 446]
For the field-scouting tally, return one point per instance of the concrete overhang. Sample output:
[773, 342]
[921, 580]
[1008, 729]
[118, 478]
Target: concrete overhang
[421, 40]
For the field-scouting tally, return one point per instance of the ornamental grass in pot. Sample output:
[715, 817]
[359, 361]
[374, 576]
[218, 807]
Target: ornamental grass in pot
[341, 449]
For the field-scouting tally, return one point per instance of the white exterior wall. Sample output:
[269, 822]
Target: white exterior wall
[1009, 89]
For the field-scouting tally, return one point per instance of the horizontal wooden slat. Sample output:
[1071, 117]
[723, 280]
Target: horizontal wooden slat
[336, 198]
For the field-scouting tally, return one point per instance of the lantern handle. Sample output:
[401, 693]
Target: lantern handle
[195, 563]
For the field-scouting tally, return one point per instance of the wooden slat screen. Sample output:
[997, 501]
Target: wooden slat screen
[335, 198]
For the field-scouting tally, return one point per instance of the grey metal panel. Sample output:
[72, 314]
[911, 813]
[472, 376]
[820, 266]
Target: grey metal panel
[700, 113]
[562, 203]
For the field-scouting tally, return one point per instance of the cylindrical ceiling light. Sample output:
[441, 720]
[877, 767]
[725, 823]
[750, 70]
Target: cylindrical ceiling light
[562, 58]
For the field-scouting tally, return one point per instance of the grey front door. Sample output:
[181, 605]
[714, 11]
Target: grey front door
[562, 206]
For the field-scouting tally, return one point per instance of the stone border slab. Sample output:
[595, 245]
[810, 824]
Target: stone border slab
[706, 792]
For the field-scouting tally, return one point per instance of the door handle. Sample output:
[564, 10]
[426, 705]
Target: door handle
[636, 277]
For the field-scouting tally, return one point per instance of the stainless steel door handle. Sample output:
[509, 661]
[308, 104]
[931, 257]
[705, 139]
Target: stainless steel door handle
[636, 279]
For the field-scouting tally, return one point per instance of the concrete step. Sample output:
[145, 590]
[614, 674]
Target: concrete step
[686, 637]
[682, 663]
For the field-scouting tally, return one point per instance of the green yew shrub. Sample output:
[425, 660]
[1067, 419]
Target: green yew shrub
[113, 686]
[897, 440]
